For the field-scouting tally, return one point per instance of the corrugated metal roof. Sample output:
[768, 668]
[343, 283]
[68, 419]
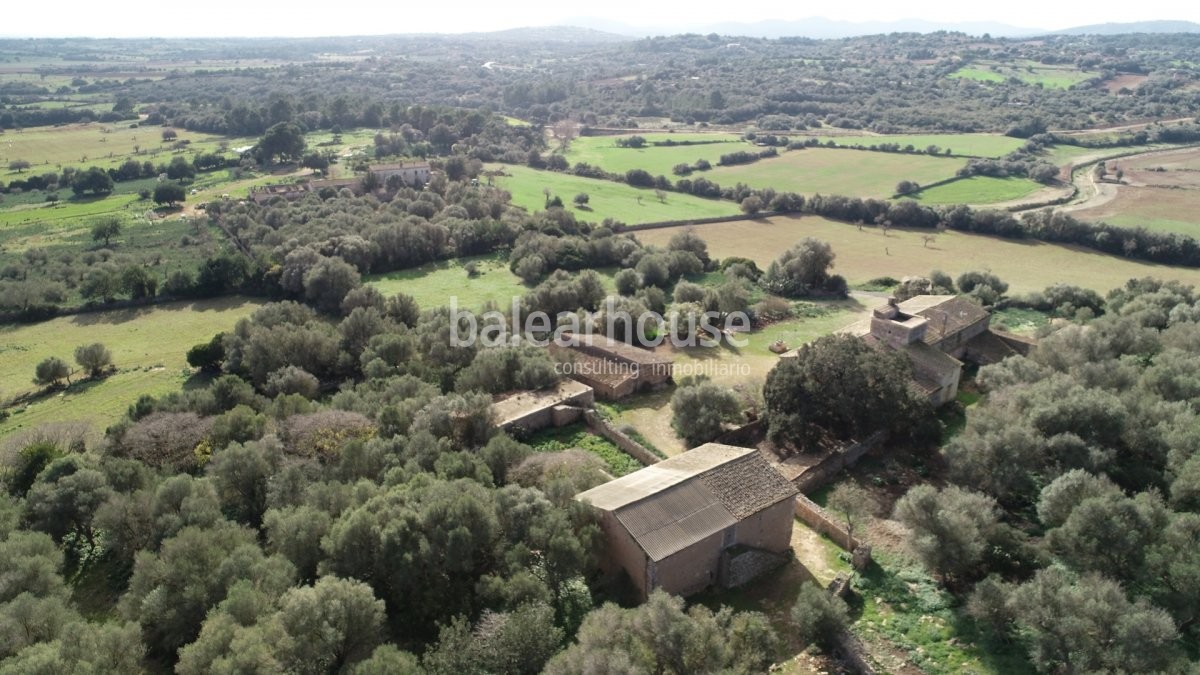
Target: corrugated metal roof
[653, 479]
[675, 518]
[680, 501]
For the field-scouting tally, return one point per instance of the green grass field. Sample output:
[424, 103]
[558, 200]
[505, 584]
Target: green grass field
[149, 347]
[608, 199]
[867, 254]
[971, 145]
[433, 285]
[828, 171]
[95, 144]
[1029, 72]
[603, 152]
[1154, 208]
[979, 190]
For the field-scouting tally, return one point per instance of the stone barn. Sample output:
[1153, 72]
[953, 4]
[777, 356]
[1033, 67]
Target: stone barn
[613, 369]
[716, 515]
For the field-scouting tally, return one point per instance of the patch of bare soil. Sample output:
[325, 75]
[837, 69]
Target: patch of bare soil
[1129, 81]
[811, 552]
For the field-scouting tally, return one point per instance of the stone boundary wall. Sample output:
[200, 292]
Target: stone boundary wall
[820, 520]
[820, 474]
[846, 645]
[635, 449]
[746, 436]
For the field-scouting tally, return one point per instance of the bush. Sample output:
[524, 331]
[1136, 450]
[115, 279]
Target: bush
[818, 615]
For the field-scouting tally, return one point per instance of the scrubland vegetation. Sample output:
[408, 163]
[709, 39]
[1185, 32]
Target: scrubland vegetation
[235, 434]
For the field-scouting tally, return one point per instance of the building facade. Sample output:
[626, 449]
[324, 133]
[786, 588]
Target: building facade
[713, 516]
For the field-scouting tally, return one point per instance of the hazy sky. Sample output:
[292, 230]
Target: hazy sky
[372, 17]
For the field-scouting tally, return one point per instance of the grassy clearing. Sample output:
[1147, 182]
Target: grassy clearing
[1029, 72]
[607, 199]
[95, 144]
[1020, 321]
[972, 145]
[603, 152]
[149, 347]
[832, 171]
[867, 254]
[433, 284]
[979, 190]
[900, 605]
[577, 436]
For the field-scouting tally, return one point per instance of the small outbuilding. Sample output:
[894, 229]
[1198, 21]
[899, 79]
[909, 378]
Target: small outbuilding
[529, 411]
[717, 515]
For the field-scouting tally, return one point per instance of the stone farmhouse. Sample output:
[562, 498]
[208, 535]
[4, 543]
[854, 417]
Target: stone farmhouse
[715, 515]
[938, 333]
[614, 369]
[412, 174]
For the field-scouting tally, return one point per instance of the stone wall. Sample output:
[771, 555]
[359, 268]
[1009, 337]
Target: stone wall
[846, 645]
[747, 436]
[820, 520]
[817, 476]
[741, 564]
[636, 450]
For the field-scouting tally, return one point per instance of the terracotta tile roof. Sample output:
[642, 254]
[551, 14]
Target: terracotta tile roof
[748, 485]
[931, 359]
[947, 314]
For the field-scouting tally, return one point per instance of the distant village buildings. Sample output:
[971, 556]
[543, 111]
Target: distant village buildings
[717, 515]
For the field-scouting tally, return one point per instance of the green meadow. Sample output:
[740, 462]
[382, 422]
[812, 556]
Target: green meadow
[149, 347]
[433, 284]
[853, 173]
[606, 199]
[602, 151]
[970, 145]
[1029, 72]
[979, 190]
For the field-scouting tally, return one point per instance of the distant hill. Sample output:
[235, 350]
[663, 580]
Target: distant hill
[821, 28]
[1134, 27]
[813, 27]
[549, 34]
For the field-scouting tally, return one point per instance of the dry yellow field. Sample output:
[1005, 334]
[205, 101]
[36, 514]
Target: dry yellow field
[867, 254]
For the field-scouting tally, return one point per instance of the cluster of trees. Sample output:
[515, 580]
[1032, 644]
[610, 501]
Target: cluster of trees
[1071, 520]
[1034, 169]
[95, 359]
[838, 388]
[256, 522]
[803, 270]
[102, 181]
[273, 249]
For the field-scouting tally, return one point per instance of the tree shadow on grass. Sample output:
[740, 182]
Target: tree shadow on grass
[118, 314]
